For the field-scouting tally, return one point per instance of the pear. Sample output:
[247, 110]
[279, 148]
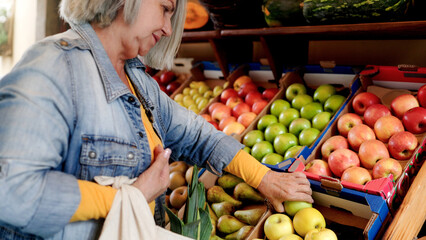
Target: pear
[243, 191]
[223, 208]
[250, 216]
[216, 194]
[240, 234]
[215, 237]
[228, 181]
[229, 224]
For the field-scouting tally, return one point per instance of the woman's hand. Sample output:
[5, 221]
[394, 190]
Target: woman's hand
[278, 187]
[155, 180]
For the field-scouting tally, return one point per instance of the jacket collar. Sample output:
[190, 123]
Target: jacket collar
[113, 86]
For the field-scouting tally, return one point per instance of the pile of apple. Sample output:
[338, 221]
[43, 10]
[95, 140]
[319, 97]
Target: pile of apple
[180, 175]
[238, 106]
[292, 123]
[235, 208]
[169, 81]
[197, 96]
[374, 139]
[300, 221]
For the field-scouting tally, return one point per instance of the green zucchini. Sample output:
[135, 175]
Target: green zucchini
[283, 12]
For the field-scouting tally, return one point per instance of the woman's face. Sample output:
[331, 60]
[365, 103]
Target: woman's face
[152, 23]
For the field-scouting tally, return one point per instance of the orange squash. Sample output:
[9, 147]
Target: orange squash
[196, 16]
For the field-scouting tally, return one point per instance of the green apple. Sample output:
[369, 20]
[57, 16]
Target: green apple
[247, 150]
[278, 225]
[311, 109]
[292, 207]
[278, 106]
[293, 90]
[193, 91]
[284, 141]
[260, 149]
[308, 219]
[323, 233]
[253, 137]
[187, 101]
[202, 103]
[265, 121]
[301, 100]
[323, 92]
[298, 124]
[321, 120]
[290, 237]
[288, 115]
[272, 158]
[333, 103]
[308, 136]
[274, 130]
[186, 91]
[292, 152]
[208, 94]
[178, 97]
[203, 89]
[217, 90]
[194, 108]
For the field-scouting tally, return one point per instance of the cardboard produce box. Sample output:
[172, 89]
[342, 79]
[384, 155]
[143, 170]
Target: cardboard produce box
[344, 80]
[392, 192]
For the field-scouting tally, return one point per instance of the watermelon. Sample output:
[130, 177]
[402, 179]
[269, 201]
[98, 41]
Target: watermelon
[283, 12]
[353, 11]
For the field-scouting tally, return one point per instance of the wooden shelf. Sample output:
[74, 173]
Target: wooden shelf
[235, 45]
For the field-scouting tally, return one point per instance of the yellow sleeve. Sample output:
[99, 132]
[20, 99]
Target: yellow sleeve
[245, 166]
[96, 201]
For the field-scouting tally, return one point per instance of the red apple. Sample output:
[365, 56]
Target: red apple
[224, 122]
[387, 126]
[346, 122]
[163, 88]
[363, 100]
[403, 103]
[318, 167]
[246, 88]
[214, 124]
[234, 128]
[375, 112]
[233, 101]
[359, 134]
[171, 87]
[342, 159]
[385, 167]
[156, 78]
[332, 144]
[246, 118]
[214, 105]
[252, 97]
[221, 112]
[258, 106]
[240, 81]
[402, 145]
[240, 109]
[167, 77]
[206, 116]
[269, 93]
[421, 96]
[414, 120]
[372, 151]
[357, 175]
[227, 93]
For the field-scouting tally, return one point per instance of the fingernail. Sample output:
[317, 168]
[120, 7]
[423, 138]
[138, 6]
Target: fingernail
[167, 152]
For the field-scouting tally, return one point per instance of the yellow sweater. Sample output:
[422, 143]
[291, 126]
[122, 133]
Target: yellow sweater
[96, 200]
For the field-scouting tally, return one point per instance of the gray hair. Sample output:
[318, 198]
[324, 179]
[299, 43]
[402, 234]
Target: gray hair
[103, 12]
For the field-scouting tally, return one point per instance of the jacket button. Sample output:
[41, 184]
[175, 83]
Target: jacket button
[130, 156]
[140, 134]
[63, 43]
[131, 99]
[92, 154]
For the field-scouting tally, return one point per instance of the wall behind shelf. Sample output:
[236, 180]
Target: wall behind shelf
[344, 52]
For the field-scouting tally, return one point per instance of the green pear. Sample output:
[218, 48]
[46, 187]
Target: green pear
[216, 194]
[229, 224]
[243, 191]
[240, 234]
[223, 208]
[229, 181]
[250, 216]
[215, 237]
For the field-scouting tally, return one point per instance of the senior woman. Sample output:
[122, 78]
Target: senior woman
[79, 104]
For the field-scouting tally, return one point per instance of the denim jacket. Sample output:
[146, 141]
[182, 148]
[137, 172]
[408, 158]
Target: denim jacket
[66, 115]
